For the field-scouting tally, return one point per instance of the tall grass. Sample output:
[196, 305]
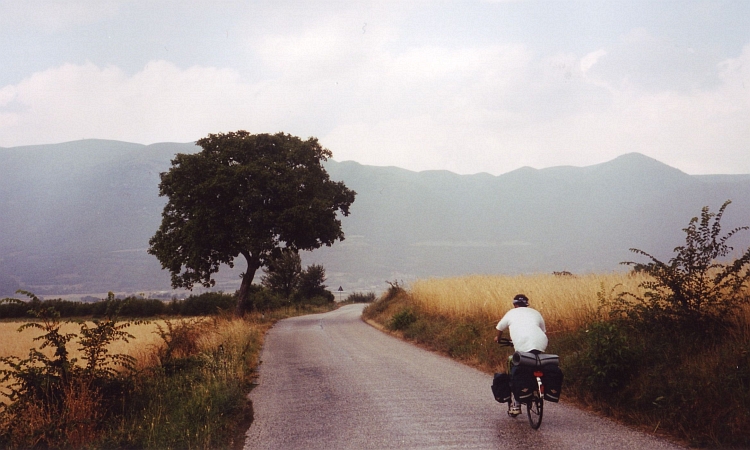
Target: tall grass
[188, 388]
[194, 393]
[565, 301]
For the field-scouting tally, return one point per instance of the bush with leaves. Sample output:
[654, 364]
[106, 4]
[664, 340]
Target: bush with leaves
[606, 360]
[402, 319]
[284, 276]
[697, 289]
[54, 402]
[263, 299]
[359, 297]
[205, 304]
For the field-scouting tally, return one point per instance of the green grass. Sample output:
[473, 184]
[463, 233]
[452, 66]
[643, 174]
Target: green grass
[199, 400]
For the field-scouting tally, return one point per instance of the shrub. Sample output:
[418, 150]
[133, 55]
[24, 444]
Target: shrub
[319, 300]
[358, 297]
[381, 309]
[263, 299]
[180, 344]
[695, 291]
[208, 303]
[402, 319]
[55, 402]
[284, 277]
[606, 360]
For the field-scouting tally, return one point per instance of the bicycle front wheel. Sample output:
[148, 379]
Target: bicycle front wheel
[535, 410]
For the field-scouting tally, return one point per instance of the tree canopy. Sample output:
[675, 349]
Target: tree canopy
[250, 195]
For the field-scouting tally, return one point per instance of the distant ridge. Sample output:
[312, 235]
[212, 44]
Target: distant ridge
[75, 218]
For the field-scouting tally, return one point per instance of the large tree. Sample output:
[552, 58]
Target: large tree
[250, 195]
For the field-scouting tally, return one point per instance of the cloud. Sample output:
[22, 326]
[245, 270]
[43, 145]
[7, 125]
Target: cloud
[159, 103]
[589, 60]
[490, 108]
[644, 61]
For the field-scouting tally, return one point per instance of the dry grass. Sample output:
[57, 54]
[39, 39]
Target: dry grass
[741, 330]
[564, 301]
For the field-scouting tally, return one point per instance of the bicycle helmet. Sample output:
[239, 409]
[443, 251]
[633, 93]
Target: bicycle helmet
[520, 300]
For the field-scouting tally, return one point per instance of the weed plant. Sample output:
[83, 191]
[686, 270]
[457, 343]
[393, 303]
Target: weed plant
[53, 401]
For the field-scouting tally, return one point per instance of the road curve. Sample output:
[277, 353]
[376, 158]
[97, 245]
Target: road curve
[330, 381]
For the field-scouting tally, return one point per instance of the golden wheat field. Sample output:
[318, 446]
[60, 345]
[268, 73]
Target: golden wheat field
[18, 344]
[564, 301]
[146, 338]
[15, 343]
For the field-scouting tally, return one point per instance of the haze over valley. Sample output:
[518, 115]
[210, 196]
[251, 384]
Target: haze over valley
[75, 218]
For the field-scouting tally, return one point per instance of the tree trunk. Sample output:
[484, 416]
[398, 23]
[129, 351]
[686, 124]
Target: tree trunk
[243, 297]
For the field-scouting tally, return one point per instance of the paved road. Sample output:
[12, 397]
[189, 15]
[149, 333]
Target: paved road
[330, 381]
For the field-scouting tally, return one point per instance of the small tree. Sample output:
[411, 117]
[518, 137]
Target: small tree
[696, 288]
[311, 283]
[283, 273]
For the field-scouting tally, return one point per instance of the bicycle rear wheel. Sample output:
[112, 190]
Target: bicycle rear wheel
[535, 410]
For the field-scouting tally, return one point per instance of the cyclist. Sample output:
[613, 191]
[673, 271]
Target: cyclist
[527, 331]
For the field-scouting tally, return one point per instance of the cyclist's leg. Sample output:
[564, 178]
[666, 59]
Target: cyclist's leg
[514, 406]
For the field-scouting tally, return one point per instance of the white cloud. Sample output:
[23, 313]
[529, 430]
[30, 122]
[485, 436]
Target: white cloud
[589, 60]
[468, 109]
[160, 103]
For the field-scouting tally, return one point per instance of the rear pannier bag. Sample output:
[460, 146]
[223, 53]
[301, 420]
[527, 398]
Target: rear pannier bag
[501, 387]
[523, 383]
[534, 360]
[552, 380]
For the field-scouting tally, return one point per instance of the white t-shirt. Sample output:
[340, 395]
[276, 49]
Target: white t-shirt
[527, 330]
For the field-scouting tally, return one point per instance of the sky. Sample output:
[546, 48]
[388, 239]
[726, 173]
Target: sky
[464, 86]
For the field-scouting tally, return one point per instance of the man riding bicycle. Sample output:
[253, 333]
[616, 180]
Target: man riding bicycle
[527, 331]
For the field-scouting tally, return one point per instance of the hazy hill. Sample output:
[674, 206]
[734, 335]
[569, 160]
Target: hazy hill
[76, 218]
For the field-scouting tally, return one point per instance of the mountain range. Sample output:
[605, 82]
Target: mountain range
[76, 217]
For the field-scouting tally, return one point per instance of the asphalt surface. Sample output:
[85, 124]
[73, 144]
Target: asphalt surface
[330, 381]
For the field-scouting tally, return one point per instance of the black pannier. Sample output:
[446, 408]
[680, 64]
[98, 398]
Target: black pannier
[535, 359]
[552, 380]
[501, 387]
[523, 383]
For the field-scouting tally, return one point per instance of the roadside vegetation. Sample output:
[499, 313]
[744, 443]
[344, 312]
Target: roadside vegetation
[106, 380]
[204, 304]
[664, 347]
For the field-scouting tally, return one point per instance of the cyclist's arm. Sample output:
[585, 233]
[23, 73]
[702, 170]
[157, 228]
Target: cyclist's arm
[503, 324]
